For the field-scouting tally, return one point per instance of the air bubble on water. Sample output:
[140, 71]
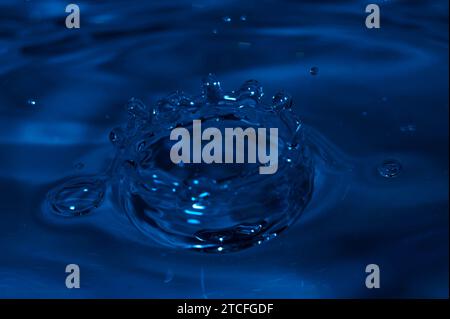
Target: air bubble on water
[282, 100]
[390, 168]
[77, 196]
[314, 70]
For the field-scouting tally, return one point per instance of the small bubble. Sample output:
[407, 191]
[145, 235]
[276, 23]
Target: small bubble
[390, 168]
[243, 18]
[226, 19]
[314, 70]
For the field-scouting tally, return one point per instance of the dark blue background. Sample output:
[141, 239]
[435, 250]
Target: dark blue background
[379, 94]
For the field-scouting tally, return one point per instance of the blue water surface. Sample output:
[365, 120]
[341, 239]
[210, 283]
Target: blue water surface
[375, 107]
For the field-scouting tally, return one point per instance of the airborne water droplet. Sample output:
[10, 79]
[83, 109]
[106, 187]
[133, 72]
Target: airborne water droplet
[78, 196]
[390, 168]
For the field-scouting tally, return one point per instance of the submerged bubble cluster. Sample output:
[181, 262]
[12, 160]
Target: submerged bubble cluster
[207, 207]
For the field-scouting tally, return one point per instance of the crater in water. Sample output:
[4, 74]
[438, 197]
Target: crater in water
[206, 207]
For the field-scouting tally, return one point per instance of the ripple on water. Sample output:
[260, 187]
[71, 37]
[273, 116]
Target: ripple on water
[208, 207]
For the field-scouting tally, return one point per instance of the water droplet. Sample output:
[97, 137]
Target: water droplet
[139, 115]
[170, 108]
[390, 168]
[226, 19]
[250, 89]
[314, 70]
[31, 102]
[282, 100]
[78, 196]
[248, 229]
[211, 88]
[137, 108]
[117, 137]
